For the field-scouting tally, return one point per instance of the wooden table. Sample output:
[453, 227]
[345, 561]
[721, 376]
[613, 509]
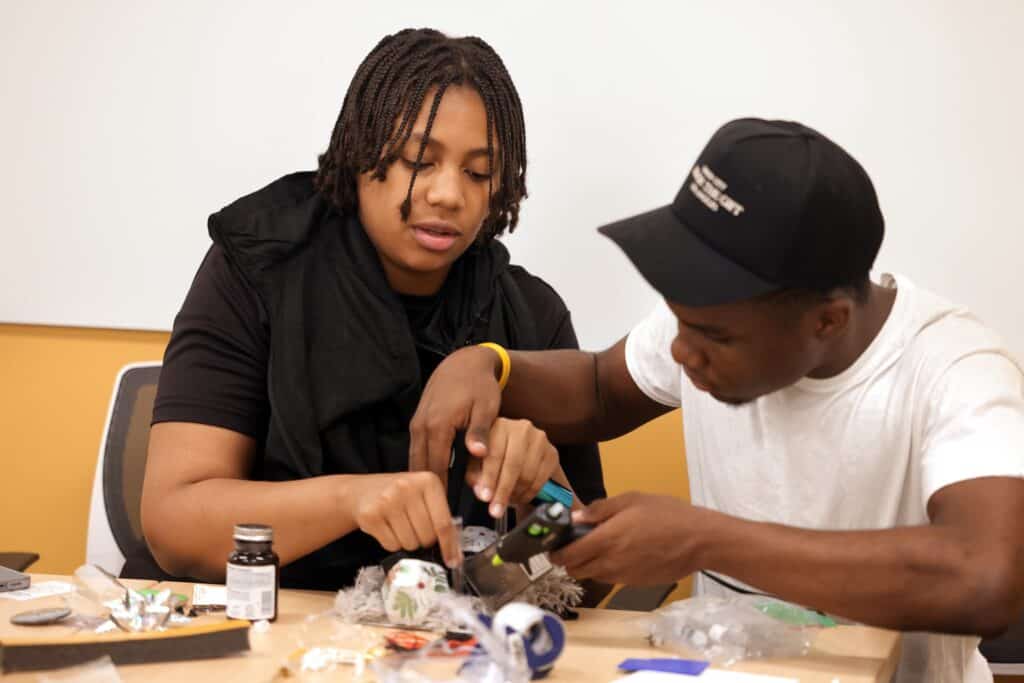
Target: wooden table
[597, 642]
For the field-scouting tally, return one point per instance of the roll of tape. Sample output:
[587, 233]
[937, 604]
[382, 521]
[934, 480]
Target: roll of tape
[540, 634]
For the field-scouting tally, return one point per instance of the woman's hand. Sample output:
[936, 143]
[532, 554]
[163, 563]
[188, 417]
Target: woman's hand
[407, 510]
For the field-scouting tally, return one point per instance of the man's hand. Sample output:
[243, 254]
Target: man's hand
[407, 510]
[639, 539]
[462, 393]
[519, 461]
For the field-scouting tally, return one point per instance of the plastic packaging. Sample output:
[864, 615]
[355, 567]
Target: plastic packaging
[496, 660]
[101, 603]
[325, 643]
[142, 612]
[727, 630]
[98, 587]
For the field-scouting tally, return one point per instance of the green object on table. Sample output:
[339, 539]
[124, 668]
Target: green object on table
[794, 615]
[177, 598]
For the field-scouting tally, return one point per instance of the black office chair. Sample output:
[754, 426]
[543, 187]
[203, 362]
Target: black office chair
[115, 527]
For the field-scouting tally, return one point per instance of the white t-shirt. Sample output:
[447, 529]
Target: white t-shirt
[935, 399]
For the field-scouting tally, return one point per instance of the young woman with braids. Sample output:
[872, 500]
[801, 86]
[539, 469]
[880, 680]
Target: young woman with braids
[325, 302]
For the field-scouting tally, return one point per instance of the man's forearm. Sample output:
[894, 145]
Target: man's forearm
[556, 390]
[576, 396]
[920, 578]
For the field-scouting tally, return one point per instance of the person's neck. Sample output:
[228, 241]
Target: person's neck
[412, 283]
[866, 321]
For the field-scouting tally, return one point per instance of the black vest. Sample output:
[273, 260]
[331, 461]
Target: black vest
[344, 376]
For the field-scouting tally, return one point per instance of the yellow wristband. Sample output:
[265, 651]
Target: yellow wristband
[506, 362]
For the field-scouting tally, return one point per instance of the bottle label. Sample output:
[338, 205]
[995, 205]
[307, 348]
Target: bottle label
[251, 591]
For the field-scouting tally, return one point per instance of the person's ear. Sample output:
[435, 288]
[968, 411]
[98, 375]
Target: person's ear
[832, 317]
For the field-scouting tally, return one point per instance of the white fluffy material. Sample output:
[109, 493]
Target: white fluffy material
[363, 602]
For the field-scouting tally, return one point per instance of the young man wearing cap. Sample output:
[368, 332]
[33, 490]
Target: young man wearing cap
[854, 446]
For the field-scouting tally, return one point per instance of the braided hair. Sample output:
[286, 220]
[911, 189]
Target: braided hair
[382, 104]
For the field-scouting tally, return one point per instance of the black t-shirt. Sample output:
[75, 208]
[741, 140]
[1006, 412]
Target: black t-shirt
[215, 365]
[420, 311]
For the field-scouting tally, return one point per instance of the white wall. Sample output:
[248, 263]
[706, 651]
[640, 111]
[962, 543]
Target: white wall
[124, 124]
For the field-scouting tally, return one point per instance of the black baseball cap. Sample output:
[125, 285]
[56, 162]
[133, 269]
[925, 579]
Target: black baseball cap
[768, 205]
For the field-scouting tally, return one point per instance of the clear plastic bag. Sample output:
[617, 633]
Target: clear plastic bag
[496, 660]
[101, 603]
[436, 664]
[325, 643]
[727, 630]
